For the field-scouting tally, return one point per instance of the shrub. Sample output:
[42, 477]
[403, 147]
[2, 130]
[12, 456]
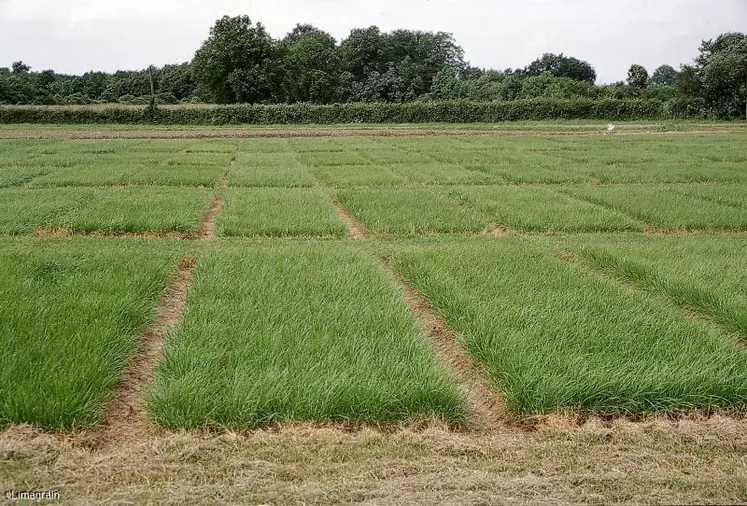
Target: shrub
[412, 112]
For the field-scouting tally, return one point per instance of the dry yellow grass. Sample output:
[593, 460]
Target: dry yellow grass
[655, 462]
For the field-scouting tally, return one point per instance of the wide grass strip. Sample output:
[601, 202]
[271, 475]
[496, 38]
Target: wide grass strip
[664, 209]
[306, 332]
[102, 210]
[535, 208]
[279, 212]
[72, 313]
[410, 211]
[703, 273]
[554, 336]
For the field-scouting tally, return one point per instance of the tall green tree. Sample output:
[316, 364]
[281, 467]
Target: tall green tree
[721, 69]
[363, 52]
[560, 65]
[236, 63]
[666, 75]
[638, 76]
[311, 65]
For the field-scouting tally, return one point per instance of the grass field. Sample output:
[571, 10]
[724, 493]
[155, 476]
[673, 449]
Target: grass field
[502, 286]
[278, 212]
[554, 336]
[311, 331]
[72, 313]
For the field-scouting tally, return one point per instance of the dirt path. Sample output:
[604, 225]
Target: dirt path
[126, 418]
[234, 133]
[487, 409]
[355, 229]
[206, 228]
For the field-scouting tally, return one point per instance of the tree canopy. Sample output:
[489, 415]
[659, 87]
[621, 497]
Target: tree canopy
[240, 62]
[560, 65]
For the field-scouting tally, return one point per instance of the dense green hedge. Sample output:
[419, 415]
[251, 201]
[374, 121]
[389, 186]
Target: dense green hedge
[413, 112]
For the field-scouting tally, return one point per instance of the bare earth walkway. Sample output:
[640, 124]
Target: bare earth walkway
[487, 410]
[126, 418]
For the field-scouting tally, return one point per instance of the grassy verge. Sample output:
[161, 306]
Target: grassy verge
[554, 336]
[72, 314]
[311, 331]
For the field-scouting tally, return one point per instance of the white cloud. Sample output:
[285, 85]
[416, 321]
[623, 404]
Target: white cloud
[78, 35]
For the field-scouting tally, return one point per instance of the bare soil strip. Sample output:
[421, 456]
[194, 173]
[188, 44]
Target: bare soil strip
[45, 232]
[500, 230]
[229, 133]
[206, 230]
[223, 183]
[355, 229]
[488, 410]
[125, 418]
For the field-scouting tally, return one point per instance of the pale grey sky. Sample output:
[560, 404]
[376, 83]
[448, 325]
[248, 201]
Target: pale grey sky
[74, 36]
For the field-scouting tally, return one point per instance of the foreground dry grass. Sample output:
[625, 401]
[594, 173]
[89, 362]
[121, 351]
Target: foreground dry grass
[655, 462]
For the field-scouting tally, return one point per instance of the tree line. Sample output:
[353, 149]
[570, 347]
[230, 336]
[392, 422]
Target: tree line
[241, 63]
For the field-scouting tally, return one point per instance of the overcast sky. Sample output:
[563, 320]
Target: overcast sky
[74, 36]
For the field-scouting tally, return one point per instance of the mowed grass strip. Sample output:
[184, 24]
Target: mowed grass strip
[22, 210]
[662, 208]
[536, 208]
[279, 212]
[348, 176]
[555, 336]
[734, 194]
[269, 169]
[136, 210]
[704, 273]
[72, 313]
[105, 210]
[306, 332]
[409, 211]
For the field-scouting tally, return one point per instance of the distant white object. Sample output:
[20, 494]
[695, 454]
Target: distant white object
[610, 128]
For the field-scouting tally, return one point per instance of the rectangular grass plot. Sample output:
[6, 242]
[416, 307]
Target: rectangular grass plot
[279, 212]
[538, 208]
[137, 210]
[72, 313]
[333, 158]
[347, 176]
[15, 176]
[23, 209]
[664, 209]
[702, 273]
[409, 211]
[554, 336]
[442, 173]
[310, 332]
[269, 169]
[734, 194]
[101, 174]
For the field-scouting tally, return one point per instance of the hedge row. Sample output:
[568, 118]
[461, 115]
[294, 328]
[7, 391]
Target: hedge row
[413, 112]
